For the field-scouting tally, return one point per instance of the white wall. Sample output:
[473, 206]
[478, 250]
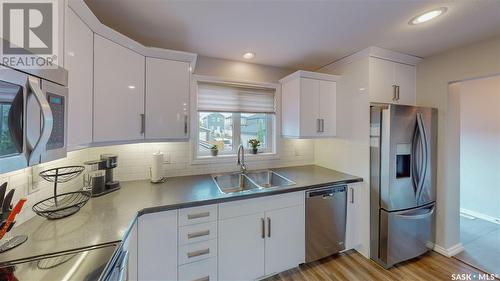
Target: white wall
[480, 146]
[433, 77]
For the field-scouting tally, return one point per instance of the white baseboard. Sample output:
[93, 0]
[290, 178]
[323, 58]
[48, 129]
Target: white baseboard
[449, 252]
[480, 215]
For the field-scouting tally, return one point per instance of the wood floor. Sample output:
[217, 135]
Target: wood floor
[352, 266]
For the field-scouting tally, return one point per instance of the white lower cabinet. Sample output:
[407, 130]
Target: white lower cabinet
[204, 270]
[268, 241]
[157, 246]
[241, 247]
[285, 239]
[353, 219]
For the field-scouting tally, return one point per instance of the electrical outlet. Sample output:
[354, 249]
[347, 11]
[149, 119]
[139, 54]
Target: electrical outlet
[32, 187]
[166, 158]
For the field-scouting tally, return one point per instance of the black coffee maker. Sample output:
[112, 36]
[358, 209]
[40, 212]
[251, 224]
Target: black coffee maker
[99, 177]
[110, 162]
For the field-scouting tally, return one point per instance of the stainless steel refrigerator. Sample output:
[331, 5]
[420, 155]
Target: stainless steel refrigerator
[403, 142]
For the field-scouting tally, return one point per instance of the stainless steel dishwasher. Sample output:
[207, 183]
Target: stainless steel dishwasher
[325, 221]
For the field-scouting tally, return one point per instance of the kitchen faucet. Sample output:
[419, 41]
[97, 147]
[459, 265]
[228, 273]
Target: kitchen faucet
[241, 159]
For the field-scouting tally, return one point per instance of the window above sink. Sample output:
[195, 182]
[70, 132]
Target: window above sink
[228, 114]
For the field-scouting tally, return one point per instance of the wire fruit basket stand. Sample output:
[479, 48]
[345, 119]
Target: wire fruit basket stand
[64, 204]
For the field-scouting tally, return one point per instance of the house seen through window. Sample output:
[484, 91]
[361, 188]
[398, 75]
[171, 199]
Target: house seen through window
[229, 116]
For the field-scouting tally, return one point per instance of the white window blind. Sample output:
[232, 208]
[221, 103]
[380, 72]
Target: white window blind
[229, 98]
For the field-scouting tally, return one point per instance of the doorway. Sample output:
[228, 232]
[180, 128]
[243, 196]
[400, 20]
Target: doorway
[479, 111]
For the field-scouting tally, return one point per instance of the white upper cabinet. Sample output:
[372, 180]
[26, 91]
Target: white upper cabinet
[78, 53]
[309, 105]
[167, 99]
[392, 82]
[118, 92]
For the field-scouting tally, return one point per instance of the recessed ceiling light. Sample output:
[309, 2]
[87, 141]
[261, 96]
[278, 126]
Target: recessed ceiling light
[248, 55]
[427, 16]
[131, 87]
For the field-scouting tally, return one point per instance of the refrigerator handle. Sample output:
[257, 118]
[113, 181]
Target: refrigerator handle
[425, 154]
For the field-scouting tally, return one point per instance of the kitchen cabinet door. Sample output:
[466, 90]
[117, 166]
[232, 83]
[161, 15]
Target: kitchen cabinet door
[118, 92]
[353, 217]
[309, 107]
[381, 80]
[130, 245]
[78, 53]
[167, 97]
[405, 78]
[241, 248]
[157, 247]
[285, 239]
[327, 108]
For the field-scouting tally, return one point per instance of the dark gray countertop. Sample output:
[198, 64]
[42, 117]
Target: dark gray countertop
[106, 219]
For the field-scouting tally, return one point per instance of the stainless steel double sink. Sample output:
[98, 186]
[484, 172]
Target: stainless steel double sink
[251, 180]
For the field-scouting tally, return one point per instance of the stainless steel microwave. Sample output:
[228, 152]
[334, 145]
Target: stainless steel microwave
[33, 117]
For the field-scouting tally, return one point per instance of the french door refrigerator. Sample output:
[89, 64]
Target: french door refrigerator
[403, 141]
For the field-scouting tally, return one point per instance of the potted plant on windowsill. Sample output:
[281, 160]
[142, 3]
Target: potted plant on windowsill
[214, 150]
[254, 144]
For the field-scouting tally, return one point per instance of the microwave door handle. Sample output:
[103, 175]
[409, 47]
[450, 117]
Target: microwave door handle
[47, 121]
[16, 120]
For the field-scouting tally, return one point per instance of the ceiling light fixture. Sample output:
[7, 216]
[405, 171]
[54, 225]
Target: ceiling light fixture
[427, 16]
[131, 87]
[248, 55]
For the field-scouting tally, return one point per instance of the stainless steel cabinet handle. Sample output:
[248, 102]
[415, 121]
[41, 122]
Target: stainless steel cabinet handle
[143, 123]
[322, 125]
[206, 278]
[268, 227]
[394, 93]
[318, 125]
[198, 253]
[198, 215]
[397, 92]
[263, 234]
[352, 194]
[198, 234]
[185, 124]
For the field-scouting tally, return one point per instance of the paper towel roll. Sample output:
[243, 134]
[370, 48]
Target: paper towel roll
[157, 167]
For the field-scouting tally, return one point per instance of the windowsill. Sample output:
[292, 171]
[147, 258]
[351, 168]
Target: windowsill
[228, 158]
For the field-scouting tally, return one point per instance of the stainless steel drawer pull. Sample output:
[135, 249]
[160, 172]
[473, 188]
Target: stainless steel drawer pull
[206, 278]
[198, 253]
[198, 234]
[263, 234]
[268, 227]
[198, 215]
[352, 194]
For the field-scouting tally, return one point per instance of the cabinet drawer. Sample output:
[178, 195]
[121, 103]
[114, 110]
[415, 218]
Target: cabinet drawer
[251, 206]
[204, 270]
[197, 232]
[197, 251]
[196, 215]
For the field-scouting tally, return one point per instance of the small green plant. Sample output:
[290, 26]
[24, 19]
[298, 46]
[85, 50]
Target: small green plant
[254, 143]
[214, 150]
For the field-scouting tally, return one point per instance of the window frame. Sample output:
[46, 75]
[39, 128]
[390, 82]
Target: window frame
[272, 135]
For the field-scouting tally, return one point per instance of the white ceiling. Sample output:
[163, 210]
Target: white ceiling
[304, 34]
